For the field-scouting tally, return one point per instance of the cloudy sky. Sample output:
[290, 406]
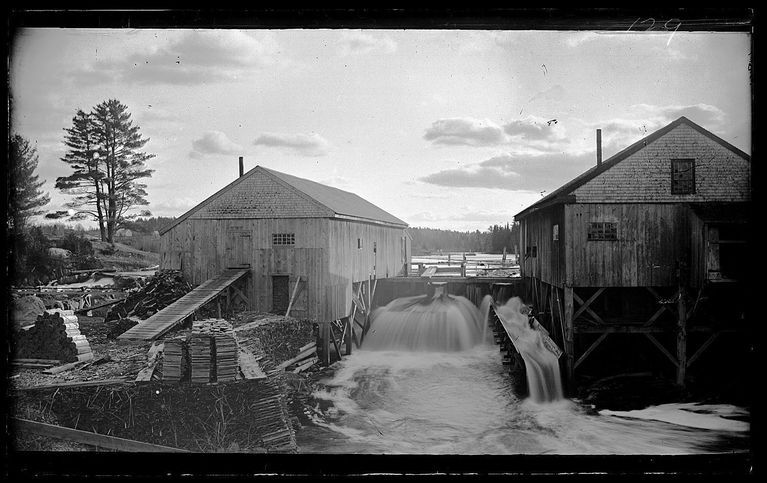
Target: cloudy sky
[444, 129]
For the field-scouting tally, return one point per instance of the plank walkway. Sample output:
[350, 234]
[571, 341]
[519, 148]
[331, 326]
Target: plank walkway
[161, 322]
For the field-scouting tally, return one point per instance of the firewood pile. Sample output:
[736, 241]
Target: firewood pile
[160, 290]
[56, 336]
[119, 327]
[209, 354]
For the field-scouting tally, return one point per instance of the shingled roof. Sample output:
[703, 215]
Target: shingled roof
[564, 194]
[318, 201]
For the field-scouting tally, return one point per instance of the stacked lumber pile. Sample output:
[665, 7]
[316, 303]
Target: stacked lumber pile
[55, 336]
[210, 354]
[226, 358]
[222, 359]
[173, 360]
[161, 290]
[201, 358]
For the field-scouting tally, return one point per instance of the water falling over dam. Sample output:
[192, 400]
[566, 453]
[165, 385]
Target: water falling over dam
[429, 379]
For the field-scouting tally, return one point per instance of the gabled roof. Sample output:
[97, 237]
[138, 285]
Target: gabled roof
[341, 202]
[329, 201]
[563, 194]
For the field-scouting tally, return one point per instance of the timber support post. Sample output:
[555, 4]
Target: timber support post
[681, 337]
[568, 342]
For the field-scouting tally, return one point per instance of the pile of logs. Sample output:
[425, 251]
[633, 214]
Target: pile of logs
[55, 336]
[161, 290]
[119, 327]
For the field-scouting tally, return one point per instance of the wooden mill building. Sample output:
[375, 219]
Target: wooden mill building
[305, 243]
[650, 242]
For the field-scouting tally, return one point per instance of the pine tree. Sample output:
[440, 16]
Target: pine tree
[105, 154]
[86, 183]
[25, 198]
[119, 143]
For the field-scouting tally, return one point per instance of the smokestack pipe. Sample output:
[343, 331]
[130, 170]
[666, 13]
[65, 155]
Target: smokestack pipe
[242, 168]
[599, 147]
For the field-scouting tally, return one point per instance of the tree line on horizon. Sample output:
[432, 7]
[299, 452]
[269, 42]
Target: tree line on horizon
[492, 240]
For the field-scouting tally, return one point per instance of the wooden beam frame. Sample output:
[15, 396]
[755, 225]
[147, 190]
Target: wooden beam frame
[569, 335]
[663, 350]
[702, 348]
[591, 348]
[585, 305]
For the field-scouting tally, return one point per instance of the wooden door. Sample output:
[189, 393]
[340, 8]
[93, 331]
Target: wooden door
[280, 293]
[239, 249]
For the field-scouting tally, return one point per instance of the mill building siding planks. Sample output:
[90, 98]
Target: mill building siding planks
[234, 227]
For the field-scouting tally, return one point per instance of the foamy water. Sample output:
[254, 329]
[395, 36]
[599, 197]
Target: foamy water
[448, 397]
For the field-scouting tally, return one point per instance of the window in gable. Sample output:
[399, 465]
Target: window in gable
[682, 176]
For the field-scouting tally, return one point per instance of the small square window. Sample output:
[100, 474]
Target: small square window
[682, 176]
[283, 238]
[603, 231]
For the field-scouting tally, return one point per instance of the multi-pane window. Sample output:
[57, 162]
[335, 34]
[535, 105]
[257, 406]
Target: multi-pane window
[283, 238]
[682, 176]
[603, 230]
[555, 232]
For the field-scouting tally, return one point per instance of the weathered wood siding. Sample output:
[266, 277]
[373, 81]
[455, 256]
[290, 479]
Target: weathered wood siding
[348, 263]
[651, 239]
[325, 256]
[698, 251]
[645, 176]
[203, 248]
[537, 230]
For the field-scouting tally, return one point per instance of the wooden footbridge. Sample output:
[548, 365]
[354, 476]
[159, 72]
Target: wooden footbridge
[185, 307]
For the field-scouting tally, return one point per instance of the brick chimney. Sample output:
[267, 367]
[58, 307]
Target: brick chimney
[599, 147]
[242, 168]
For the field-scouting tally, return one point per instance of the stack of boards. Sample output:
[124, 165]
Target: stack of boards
[210, 354]
[56, 336]
[173, 359]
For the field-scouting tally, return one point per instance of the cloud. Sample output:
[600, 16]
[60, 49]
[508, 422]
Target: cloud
[194, 58]
[531, 135]
[643, 119]
[466, 131]
[304, 144]
[511, 172]
[360, 43]
[535, 129]
[213, 142]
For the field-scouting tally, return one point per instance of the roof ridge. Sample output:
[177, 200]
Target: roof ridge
[295, 189]
[621, 155]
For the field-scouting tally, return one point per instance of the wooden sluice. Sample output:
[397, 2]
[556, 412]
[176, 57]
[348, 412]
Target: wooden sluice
[185, 307]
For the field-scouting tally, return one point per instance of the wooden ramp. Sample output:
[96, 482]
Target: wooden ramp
[165, 319]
